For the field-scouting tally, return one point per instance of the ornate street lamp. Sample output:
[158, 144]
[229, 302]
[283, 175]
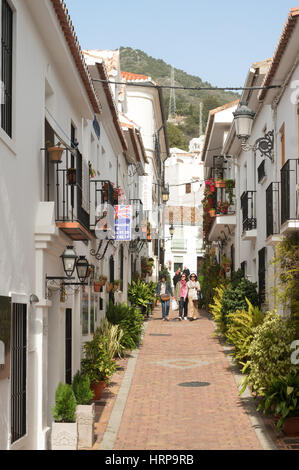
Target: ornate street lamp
[82, 267]
[243, 118]
[165, 193]
[171, 230]
[69, 259]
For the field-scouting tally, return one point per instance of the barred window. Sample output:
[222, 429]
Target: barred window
[6, 67]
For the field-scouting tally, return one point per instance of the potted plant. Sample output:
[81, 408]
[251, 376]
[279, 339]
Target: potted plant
[220, 183]
[92, 172]
[97, 364]
[99, 283]
[229, 189]
[109, 286]
[116, 284]
[64, 434]
[55, 152]
[71, 176]
[85, 411]
[212, 212]
[222, 207]
[226, 263]
[281, 399]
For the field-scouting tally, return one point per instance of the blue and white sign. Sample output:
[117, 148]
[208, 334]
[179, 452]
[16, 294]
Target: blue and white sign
[122, 223]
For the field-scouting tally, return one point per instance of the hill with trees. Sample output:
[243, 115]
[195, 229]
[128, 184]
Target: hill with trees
[188, 102]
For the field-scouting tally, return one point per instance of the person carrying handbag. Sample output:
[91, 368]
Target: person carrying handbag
[164, 290]
[193, 296]
[181, 293]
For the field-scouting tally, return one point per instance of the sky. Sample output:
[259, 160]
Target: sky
[216, 40]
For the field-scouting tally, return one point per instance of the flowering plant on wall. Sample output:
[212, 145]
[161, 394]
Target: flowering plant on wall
[118, 194]
[209, 187]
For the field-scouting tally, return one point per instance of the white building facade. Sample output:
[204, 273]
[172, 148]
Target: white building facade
[46, 207]
[266, 189]
[184, 173]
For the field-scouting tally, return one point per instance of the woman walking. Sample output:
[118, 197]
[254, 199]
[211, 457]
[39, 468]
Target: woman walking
[181, 293]
[193, 290]
[164, 290]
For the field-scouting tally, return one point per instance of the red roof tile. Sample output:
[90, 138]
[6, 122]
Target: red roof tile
[134, 76]
[75, 49]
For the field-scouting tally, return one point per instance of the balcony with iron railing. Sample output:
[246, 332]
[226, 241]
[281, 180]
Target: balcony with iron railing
[65, 186]
[248, 207]
[289, 177]
[102, 200]
[219, 208]
[179, 244]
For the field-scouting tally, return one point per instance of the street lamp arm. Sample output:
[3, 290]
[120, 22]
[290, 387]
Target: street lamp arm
[264, 144]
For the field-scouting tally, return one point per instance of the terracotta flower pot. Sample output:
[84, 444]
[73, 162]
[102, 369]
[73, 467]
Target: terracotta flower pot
[97, 286]
[71, 176]
[220, 184]
[291, 426]
[212, 212]
[97, 389]
[55, 153]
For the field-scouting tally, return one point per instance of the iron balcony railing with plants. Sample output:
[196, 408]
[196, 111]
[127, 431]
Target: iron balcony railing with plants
[65, 186]
[248, 207]
[225, 200]
[272, 209]
[102, 202]
[261, 171]
[289, 177]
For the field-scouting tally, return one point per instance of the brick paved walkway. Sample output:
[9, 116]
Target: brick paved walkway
[183, 394]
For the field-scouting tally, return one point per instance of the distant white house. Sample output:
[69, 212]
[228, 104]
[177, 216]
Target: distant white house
[184, 172]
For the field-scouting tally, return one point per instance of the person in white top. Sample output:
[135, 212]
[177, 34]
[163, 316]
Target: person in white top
[193, 290]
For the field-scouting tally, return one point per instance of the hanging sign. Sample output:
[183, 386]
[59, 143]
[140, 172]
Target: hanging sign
[122, 222]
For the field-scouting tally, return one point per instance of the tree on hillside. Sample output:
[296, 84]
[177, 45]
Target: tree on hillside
[176, 138]
[210, 102]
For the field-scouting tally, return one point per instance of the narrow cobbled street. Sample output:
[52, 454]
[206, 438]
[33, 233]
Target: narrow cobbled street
[183, 394]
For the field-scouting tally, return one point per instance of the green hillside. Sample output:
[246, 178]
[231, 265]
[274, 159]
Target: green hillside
[187, 101]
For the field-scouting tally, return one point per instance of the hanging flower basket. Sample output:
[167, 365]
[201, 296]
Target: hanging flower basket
[55, 153]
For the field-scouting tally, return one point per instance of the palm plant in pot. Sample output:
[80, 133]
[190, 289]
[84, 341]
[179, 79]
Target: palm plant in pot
[64, 428]
[281, 399]
[97, 364]
[85, 411]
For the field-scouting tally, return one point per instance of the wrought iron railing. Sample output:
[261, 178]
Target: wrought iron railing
[179, 244]
[101, 198]
[248, 206]
[223, 205]
[64, 185]
[262, 274]
[272, 209]
[289, 175]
